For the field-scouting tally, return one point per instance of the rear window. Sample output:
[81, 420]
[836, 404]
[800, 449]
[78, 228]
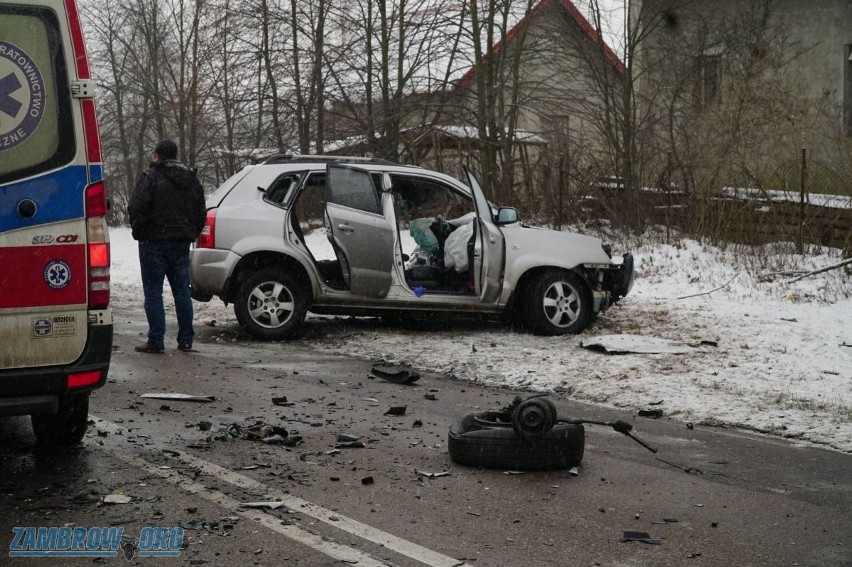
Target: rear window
[36, 125]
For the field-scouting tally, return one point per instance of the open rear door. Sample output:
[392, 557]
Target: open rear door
[360, 233]
[489, 250]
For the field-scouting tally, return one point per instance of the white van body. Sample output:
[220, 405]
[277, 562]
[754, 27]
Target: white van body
[55, 321]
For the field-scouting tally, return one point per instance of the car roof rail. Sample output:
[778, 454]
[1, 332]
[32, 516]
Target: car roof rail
[305, 158]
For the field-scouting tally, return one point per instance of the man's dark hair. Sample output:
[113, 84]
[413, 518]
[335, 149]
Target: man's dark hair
[166, 149]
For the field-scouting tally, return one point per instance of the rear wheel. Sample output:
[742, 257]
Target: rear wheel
[67, 426]
[271, 304]
[558, 302]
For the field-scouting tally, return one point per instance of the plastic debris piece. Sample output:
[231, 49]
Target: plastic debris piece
[644, 537]
[350, 445]
[117, 499]
[396, 410]
[397, 375]
[419, 291]
[368, 480]
[258, 431]
[179, 397]
[432, 474]
[346, 438]
[282, 401]
[271, 505]
[574, 471]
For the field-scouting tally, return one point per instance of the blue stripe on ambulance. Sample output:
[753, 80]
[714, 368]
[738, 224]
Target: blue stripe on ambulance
[58, 196]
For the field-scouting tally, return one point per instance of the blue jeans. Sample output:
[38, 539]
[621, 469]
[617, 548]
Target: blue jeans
[161, 259]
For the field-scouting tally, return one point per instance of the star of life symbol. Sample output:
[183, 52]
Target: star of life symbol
[42, 327]
[22, 96]
[57, 274]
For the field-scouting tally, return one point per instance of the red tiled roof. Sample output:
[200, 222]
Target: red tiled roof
[467, 79]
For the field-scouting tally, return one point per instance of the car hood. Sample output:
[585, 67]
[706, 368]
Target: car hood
[570, 247]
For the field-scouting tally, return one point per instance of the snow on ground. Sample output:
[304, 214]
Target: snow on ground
[781, 363]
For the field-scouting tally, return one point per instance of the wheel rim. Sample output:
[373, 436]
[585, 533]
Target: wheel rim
[561, 304]
[271, 304]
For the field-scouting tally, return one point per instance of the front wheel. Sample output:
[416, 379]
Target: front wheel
[271, 304]
[558, 302]
[65, 427]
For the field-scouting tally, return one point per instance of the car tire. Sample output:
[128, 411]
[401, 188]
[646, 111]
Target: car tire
[65, 427]
[499, 447]
[271, 304]
[557, 303]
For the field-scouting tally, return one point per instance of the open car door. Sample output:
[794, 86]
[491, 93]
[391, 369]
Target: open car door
[362, 237]
[489, 249]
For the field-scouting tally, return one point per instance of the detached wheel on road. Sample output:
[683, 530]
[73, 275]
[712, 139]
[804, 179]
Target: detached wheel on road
[67, 426]
[557, 303]
[271, 304]
[499, 447]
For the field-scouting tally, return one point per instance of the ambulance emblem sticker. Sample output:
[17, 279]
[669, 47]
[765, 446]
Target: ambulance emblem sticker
[57, 274]
[22, 96]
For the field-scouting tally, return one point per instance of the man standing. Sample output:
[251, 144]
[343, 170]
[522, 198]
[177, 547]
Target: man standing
[167, 213]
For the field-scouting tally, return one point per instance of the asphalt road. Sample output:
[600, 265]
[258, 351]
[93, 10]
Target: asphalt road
[710, 497]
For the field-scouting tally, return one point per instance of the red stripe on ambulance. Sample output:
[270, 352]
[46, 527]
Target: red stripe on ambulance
[43, 276]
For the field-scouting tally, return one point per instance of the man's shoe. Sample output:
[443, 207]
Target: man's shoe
[150, 349]
[185, 348]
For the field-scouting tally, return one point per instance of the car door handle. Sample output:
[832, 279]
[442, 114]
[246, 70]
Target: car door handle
[347, 228]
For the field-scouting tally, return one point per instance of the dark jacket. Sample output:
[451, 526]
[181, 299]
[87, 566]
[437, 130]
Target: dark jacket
[167, 204]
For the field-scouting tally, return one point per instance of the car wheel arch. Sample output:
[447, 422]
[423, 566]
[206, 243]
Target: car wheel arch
[255, 261]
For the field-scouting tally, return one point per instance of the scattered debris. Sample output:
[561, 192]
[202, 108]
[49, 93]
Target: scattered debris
[204, 425]
[349, 445]
[417, 423]
[271, 505]
[396, 410]
[574, 471]
[225, 523]
[368, 480]
[644, 537]
[258, 431]
[179, 397]
[117, 499]
[635, 344]
[346, 438]
[652, 413]
[687, 470]
[282, 401]
[430, 397]
[397, 375]
[432, 474]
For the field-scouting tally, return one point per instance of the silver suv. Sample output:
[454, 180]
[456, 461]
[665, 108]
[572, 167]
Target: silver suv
[360, 236]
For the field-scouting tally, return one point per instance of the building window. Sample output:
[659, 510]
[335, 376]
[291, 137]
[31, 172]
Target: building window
[711, 78]
[847, 90]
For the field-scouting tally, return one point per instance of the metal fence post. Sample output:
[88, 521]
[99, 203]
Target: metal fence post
[800, 245]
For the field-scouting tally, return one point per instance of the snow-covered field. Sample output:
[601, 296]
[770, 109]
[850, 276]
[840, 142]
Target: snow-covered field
[781, 364]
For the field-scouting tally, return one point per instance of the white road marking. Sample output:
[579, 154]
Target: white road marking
[334, 519]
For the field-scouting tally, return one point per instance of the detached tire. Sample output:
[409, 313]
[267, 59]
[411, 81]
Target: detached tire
[67, 426]
[271, 304]
[558, 302]
[501, 448]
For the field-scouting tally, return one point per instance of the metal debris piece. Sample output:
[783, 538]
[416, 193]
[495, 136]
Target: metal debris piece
[397, 375]
[270, 505]
[432, 474]
[635, 344]
[396, 410]
[644, 537]
[368, 480]
[346, 438]
[179, 397]
[117, 499]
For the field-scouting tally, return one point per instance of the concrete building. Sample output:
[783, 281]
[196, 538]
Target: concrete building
[740, 87]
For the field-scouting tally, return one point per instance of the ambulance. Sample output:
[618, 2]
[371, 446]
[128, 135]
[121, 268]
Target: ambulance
[56, 327]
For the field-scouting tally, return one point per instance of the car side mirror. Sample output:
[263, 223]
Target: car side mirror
[507, 215]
